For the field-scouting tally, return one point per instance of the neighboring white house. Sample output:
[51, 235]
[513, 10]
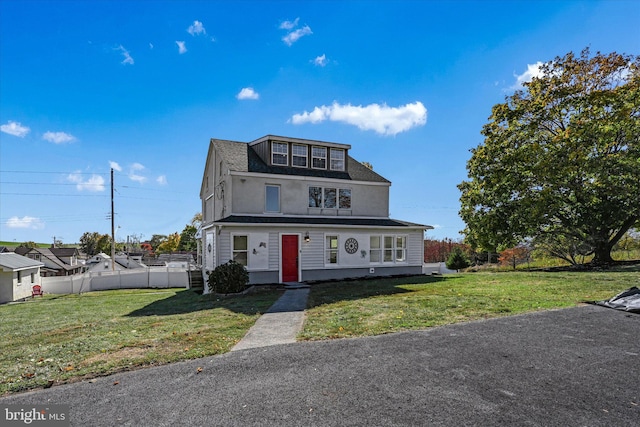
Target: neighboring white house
[293, 209]
[18, 274]
[101, 263]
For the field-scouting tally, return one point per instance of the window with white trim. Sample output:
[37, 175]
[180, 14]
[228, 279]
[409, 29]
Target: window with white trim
[329, 197]
[19, 277]
[318, 157]
[331, 250]
[375, 250]
[401, 249]
[337, 159]
[315, 197]
[272, 198]
[344, 198]
[299, 155]
[387, 249]
[239, 251]
[279, 153]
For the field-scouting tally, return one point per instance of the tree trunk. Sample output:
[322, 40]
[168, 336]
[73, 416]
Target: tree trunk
[602, 255]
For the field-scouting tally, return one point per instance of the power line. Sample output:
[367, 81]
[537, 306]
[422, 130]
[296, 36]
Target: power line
[53, 194]
[59, 173]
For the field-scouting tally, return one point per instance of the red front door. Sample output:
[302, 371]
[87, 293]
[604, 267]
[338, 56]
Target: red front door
[290, 258]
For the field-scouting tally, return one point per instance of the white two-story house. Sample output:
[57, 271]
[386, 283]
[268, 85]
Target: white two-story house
[296, 210]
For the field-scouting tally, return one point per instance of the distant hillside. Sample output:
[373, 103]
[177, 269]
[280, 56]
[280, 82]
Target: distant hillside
[12, 245]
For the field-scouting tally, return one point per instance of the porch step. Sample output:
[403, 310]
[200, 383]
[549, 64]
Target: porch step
[197, 281]
[296, 285]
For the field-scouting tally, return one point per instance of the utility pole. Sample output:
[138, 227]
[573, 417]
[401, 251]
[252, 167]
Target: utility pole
[113, 229]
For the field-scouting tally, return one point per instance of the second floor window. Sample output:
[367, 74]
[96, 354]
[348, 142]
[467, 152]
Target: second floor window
[330, 198]
[279, 153]
[299, 155]
[272, 198]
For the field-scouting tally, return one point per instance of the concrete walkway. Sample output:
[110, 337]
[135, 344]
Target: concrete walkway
[281, 323]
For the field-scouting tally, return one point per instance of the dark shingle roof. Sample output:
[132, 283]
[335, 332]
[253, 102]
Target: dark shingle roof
[64, 251]
[241, 157]
[345, 221]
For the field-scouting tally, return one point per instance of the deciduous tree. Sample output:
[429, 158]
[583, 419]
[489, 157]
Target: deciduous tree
[170, 244]
[92, 243]
[560, 160]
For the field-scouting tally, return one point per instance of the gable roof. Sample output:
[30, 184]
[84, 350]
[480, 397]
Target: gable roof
[241, 157]
[64, 252]
[46, 252]
[11, 262]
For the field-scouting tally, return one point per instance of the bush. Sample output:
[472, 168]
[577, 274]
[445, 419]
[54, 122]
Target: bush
[228, 278]
[457, 260]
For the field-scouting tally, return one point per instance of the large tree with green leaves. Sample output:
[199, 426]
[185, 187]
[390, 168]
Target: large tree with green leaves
[560, 160]
[92, 243]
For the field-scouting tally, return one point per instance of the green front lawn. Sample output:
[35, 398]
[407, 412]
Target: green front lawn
[372, 307]
[62, 338]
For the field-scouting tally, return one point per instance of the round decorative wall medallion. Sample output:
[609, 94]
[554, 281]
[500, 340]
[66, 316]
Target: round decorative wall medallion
[351, 245]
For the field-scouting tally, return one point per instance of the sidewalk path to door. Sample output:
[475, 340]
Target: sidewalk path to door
[281, 323]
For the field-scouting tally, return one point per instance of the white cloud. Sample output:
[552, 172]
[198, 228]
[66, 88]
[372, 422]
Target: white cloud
[125, 53]
[294, 36]
[133, 176]
[115, 166]
[196, 28]
[94, 183]
[381, 119]
[162, 180]
[182, 48]
[248, 93]
[25, 222]
[533, 70]
[289, 25]
[320, 61]
[58, 137]
[15, 129]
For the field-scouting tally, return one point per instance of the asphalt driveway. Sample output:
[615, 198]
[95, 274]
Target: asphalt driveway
[572, 367]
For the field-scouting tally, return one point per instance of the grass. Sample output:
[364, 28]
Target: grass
[361, 308]
[57, 339]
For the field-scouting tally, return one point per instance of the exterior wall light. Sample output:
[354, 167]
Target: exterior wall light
[307, 239]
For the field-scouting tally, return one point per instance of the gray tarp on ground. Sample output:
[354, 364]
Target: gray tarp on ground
[628, 300]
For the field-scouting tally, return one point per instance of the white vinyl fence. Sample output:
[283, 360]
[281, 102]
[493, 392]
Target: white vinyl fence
[152, 277]
[436, 268]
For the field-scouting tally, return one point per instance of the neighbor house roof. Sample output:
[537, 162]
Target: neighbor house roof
[241, 157]
[64, 252]
[12, 262]
[332, 221]
[46, 252]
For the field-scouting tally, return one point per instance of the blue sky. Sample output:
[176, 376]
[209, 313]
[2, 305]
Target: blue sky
[142, 86]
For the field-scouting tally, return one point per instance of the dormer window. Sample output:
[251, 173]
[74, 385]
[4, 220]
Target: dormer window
[299, 155]
[279, 153]
[319, 157]
[337, 160]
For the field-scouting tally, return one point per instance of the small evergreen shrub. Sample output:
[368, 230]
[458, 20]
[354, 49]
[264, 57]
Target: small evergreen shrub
[228, 278]
[457, 260]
